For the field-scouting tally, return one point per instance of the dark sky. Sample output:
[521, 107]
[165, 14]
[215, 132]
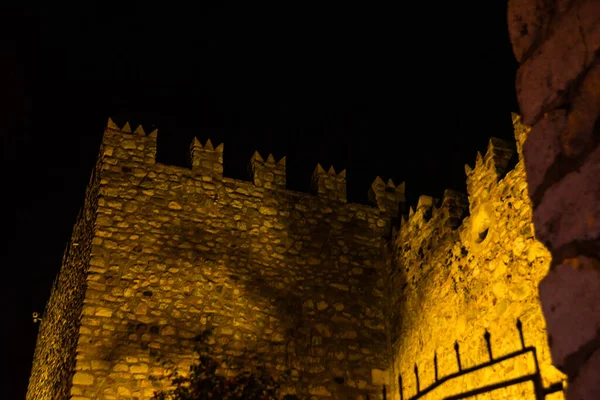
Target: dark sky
[406, 92]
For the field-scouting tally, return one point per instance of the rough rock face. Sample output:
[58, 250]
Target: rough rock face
[297, 280]
[55, 351]
[558, 87]
[453, 279]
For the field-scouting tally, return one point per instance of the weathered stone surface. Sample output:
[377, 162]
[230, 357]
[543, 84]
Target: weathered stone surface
[305, 283]
[55, 351]
[82, 378]
[581, 132]
[527, 22]
[453, 281]
[569, 209]
[275, 273]
[570, 296]
[545, 78]
[586, 386]
[560, 69]
[542, 148]
[268, 174]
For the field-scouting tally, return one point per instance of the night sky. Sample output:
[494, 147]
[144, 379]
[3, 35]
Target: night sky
[409, 93]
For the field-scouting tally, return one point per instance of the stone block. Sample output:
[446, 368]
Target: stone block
[569, 210]
[82, 378]
[379, 377]
[570, 297]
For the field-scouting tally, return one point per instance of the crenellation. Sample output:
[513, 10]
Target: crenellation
[139, 131]
[171, 251]
[207, 161]
[125, 147]
[174, 253]
[453, 208]
[468, 274]
[329, 184]
[419, 216]
[498, 154]
[426, 203]
[389, 198]
[488, 170]
[268, 173]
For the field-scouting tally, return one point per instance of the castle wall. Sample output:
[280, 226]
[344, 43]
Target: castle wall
[452, 281]
[296, 280]
[54, 357]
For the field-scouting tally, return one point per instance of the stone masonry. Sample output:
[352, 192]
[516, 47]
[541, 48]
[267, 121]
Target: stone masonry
[310, 283]
[464, 265]
[54, 357]
[295, 280]
[557, 43]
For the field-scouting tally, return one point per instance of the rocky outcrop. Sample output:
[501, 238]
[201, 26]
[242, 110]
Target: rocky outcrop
[558, 88]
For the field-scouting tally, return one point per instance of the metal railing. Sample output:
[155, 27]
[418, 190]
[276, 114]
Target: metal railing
[540, 391]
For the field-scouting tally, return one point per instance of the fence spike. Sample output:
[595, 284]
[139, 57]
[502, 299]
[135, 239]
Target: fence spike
[488, 341]
[417, 377]
[520, 328]
[456, 349]
[400, 387]
[535, 378]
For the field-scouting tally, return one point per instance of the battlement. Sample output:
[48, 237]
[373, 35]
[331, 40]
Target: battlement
[437, 216]
[280, 276]
[496, 157]
[463, 275]
[268, 174]
[186, 249]
[489, 168]
[432, 219]
[206, 160]
[329, 184]
[124, 148]
[134, 146]
[389, 198]
[432, 214]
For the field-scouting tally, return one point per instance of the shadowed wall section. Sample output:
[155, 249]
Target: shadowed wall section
[58, 335]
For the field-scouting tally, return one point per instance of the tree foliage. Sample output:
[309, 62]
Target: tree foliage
[203, 382]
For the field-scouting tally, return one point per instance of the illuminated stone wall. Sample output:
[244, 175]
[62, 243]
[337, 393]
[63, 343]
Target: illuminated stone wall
[297, 280]
[453, 278]
[300, 281]
[557, 44]
[54, 357]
